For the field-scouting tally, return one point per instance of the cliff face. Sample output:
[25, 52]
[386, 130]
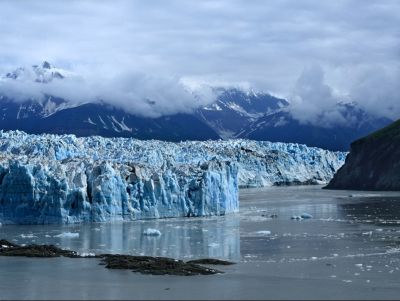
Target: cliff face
[373, 162]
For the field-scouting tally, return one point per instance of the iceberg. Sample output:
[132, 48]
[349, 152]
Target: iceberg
[152, 232]
[67, 235]
[65, 179]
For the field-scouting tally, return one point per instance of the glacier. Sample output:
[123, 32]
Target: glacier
[67, 179]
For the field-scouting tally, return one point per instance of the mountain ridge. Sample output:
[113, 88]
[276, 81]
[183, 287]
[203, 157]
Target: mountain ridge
[234, 114]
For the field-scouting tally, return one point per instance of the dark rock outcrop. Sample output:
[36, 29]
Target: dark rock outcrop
[156, 265]
[140, 264]
[373, 162]
[9, 249]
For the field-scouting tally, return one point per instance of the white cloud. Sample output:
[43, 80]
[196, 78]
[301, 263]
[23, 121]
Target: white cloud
[265, 44]
[136, 93]
[313, 101]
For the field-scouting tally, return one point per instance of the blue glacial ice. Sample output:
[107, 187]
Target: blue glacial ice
[65, 179]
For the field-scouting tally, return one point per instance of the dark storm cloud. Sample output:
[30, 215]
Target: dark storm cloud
[268, 45]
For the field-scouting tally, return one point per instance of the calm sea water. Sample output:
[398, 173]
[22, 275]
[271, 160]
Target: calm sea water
[350, 249]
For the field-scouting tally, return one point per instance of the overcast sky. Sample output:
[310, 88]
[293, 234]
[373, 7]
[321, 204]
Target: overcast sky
[342, 49]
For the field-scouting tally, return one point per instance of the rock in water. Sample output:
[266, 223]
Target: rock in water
[10, 249]
[373, 162]
[142, 264]
[156, 265]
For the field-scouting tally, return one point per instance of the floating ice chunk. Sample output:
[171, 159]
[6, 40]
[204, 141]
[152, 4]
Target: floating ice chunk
[296, 217]
[87, 254]
[314, 258]
[213, 245]
[378, 230]
[367, 233]
[27, 235]
[151, 232]
[306, 216]
[67, 235]
[250, 256]
[359, 265]
[347, 281]
[263, 232]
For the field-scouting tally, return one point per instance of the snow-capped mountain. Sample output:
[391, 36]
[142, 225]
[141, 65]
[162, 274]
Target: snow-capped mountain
[236, 109]
[263, 117]
[281, 126]
[55, 115]
[43, 73]
[234, 114]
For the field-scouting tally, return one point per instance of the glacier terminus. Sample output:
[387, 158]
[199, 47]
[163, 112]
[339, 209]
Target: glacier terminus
[66, 179]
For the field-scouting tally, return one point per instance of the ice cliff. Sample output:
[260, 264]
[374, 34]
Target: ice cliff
[65, 179]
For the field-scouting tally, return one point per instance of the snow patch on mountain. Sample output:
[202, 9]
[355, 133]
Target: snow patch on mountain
[43, 73]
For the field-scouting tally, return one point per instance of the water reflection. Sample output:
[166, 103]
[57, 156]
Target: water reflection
[377, 210]
[217, 237]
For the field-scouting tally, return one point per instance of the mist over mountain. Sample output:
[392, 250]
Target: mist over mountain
[154, 59]
[45, 99]
[136, 93]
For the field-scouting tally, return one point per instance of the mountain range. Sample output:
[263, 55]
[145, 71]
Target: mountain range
[234, 114]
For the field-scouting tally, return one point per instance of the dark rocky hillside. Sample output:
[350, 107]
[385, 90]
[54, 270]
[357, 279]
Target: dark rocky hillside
[373, 162]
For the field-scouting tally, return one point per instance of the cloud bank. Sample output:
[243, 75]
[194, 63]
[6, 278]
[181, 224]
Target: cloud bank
[159, 45]
[136, 93]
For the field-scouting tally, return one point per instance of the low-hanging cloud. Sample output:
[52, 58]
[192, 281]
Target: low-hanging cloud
[377, 89]
[136, 93]
[149, 48]
[314, 101]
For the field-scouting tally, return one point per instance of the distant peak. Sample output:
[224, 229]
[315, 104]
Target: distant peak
[46, 65]
[41, 73]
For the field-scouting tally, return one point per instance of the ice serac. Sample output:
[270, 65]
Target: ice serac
[65, 179]
[76, 191]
